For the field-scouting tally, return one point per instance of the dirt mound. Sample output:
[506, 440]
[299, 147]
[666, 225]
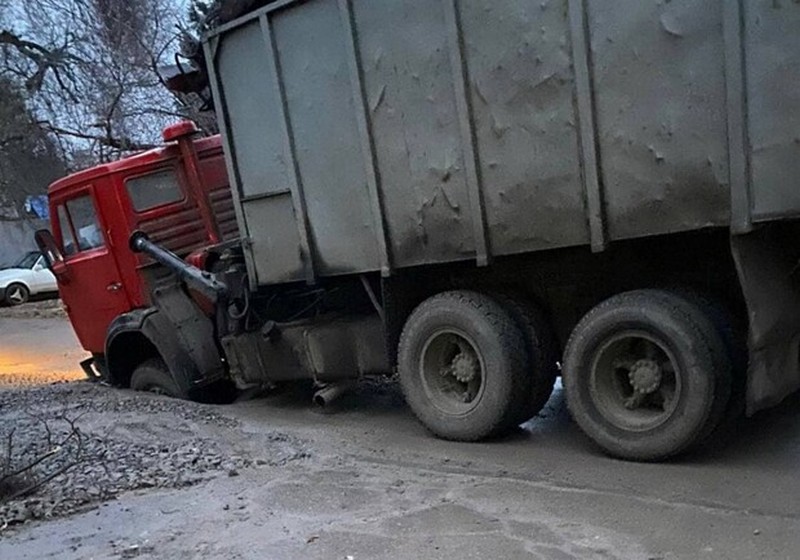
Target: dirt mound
[15, 380]
[72, 446]
[47, 309]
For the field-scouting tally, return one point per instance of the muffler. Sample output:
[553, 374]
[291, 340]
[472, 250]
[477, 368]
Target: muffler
[329, 393]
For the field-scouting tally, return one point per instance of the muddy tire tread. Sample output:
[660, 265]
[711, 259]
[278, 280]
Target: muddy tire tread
[513, 348]
[154, 370]
[542, 353]
[704, 360]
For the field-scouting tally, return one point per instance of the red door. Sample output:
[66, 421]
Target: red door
[90, 285]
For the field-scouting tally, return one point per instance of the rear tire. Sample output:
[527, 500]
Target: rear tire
[542, 350]
[732, 335]
[731, 368]
[640, 375]
[17, 294]
[153, 376]
[462, 366]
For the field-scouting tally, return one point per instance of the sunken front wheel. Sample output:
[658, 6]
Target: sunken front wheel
[462, 366]
[639, 375]
[153, 376]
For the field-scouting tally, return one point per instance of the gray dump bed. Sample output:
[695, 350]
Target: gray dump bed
[367, 135]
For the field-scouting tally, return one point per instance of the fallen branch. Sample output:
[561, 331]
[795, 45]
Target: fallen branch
[29, 466]
[11, 481]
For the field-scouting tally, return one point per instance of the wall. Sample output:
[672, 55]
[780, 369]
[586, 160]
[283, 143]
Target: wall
[16, 237]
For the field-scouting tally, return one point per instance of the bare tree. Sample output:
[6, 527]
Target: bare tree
[91, 69]
[29, 158]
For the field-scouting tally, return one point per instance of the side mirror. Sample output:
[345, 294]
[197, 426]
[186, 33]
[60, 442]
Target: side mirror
[52, 253]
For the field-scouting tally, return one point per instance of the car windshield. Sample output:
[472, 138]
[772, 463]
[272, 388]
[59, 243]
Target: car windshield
[27, 260]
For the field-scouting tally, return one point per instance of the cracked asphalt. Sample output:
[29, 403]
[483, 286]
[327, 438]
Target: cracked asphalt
[372, 484]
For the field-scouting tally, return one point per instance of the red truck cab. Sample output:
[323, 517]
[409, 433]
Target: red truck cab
[178, 194]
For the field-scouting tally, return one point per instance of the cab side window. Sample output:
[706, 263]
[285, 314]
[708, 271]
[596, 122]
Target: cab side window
[154, 190]
[80, 229]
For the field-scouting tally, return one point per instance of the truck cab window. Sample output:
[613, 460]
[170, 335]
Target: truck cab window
[153, 190]
[80, 229]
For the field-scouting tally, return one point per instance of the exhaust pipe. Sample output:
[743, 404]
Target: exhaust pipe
[329, 393]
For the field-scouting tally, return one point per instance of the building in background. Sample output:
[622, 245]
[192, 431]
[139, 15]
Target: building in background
[16, 229]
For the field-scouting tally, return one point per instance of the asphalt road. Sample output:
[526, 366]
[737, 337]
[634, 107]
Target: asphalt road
[37, 350]
[376, 485]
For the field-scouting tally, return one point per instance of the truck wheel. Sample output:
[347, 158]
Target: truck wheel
[17, 294]
[733, 335]
[731, 368]
[153, 376]
[542, 350]
[639, 374]
[462, 366]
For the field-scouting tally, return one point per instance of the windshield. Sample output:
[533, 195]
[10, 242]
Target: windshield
[27, 260]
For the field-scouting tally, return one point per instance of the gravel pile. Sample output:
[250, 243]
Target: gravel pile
[90, 467]
[84, 397]
[47, 309]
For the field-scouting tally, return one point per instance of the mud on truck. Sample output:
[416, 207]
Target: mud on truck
[478, 196]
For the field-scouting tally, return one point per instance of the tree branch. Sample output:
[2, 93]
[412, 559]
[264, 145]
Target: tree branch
[44, 58]
[121, 144]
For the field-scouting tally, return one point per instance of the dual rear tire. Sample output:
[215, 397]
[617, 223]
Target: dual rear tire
[648, 374]
[471, 366]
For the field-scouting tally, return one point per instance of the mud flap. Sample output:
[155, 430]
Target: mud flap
[766, 261]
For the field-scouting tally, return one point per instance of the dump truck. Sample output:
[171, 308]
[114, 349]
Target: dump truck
[476, 196]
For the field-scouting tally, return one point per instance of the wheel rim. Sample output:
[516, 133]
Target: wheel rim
[452, 372]
[635, 381]
[16, 295]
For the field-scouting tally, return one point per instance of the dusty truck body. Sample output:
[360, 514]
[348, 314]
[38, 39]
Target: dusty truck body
[477, 194]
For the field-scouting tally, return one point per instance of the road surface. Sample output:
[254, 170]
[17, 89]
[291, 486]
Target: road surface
[375, 485]
[37, 350]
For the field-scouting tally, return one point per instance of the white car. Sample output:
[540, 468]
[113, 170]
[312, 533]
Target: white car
[29, 276]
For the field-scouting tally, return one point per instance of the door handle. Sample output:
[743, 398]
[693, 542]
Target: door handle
[115, 287]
